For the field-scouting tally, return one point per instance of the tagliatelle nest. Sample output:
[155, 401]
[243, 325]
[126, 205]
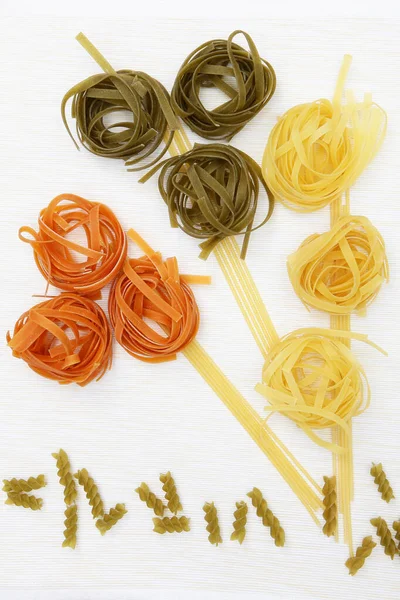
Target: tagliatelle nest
[66, 338]
[342, 270]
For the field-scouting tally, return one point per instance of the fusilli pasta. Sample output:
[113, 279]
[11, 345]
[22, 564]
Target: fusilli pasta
[382, 482]
[385, 536]
[24, 500]
[92, 492]
[354, 563]
[111, 518]
[211, 517]
[71, 526]
[150, 499]
[171, 495]
[239, 524]
[24, 485]
[330, 504]
[171, 525]
[65, 475]
[267, 516]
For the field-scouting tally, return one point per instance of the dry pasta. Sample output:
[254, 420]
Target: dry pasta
[55, 254]
[67, 339]
[24, 485]
[210, 65]
[105, 96]
[211, 518]
[111, 518]
[355, 563]
[239, 524]
[212, 193]
[318, 150]
[384, 487]
[71, 526]
[24, 500]
[171, 495]
[385, 536]
[330, 506]
[70, 493]
[171, 524]
[151, 500]
[342, 270]
[92, 492]
[268, 518]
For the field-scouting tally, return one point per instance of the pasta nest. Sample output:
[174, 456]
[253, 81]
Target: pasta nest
[213, 64]
[311, 376]
[151, 289]
[100, 105]
[317, 150]
[67, 339]
[212, 192]
[342, 270]
[98, 262]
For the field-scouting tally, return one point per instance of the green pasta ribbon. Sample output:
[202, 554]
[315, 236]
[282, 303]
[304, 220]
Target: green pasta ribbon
[103, 97]
[212, 193]
[210, 65]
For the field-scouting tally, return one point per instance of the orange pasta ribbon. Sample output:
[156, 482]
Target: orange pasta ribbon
[67, 339]
[102, 256]
[150, 288]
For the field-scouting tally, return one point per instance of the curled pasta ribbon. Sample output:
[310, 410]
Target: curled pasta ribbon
[212, 193]
[67, 339]
[311, 376]
[55, 254]
[150, 288]
[209, 66]
[342, 270]
[318, 150]
[99, 100]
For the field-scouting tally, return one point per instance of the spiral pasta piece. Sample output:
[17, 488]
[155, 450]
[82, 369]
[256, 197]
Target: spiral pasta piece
[211, 518]
[55, 254]
[212, 193]
[311, 376]
[267, 516]
[385, 536]
[384, 487]
[317, 150]
[171, 495]
[100, 99]
[396, 527]
[209, 66]
[65, 476]
[330, 506]
[171, 525]
[342, 270]
[24, 485]
[24, 500]
[71, 526]
[67, 339]
[150, 288]
[239, 524]
[92, 492]
[151, 500]
[354, 563]
[111, 518]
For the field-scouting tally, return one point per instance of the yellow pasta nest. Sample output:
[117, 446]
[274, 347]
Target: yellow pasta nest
[342, 270]
[311, 376]
[316, 151]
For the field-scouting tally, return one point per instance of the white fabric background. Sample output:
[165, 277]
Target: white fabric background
[141, 420]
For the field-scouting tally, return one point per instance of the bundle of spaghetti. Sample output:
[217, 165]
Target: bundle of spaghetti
[67, 339]
[213, 65]
[99, 100]
[342, 270]
[318, 150]
[146, 296]
[211, 192]
[55, 254]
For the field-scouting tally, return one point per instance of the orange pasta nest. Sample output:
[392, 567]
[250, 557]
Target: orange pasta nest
[103, 255]
[342, 270]
[67, 339]
[150, 288]
[311, 376]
